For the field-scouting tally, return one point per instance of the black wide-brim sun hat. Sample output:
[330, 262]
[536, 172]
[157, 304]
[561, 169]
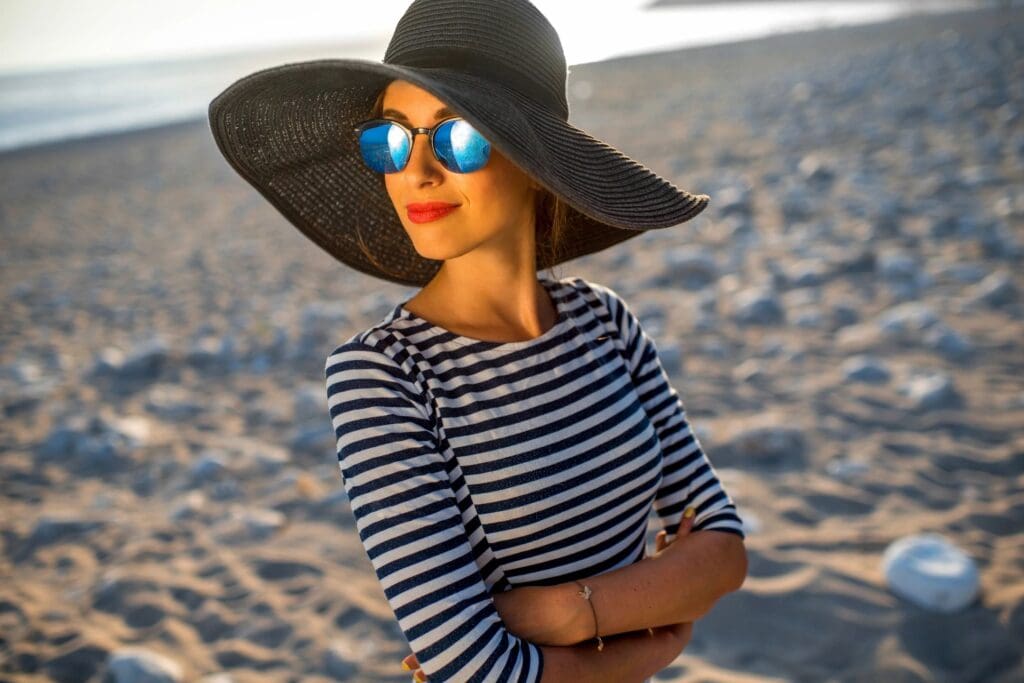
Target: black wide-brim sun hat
[288, 131]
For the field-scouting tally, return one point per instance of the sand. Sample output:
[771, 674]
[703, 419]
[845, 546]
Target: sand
[843, 323]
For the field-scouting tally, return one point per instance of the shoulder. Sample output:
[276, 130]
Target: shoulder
[585, 287]
[373, 354]
[362, 375]
[596, 292]
[361, 343]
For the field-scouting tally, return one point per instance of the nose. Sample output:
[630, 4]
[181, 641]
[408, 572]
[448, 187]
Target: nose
[423, 166]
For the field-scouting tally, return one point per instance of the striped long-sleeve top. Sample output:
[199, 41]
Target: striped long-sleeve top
[474, 466]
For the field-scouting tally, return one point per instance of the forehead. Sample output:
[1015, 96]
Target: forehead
[402, 97]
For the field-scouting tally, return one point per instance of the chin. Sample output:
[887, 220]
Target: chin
[437, 252]
[438, 249]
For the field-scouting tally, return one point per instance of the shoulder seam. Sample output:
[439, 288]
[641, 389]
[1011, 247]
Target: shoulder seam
[420, 383]
[361, 341]
[581, 285]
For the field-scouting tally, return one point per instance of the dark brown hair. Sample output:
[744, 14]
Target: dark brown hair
[550, 219]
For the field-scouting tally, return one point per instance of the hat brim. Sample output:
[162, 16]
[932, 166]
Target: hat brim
[287, 130]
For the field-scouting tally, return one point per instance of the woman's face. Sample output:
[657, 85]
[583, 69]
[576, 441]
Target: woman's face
[495, 203]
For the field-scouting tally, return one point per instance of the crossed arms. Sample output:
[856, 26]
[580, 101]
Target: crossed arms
[680, 583]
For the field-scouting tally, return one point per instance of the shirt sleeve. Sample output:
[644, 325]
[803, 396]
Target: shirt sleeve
[688, 477]
[408, 519]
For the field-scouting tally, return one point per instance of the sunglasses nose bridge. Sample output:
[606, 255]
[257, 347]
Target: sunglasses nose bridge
[429, 133]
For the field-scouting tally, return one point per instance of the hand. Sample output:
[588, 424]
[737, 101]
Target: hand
[682, 632]
[685, 525]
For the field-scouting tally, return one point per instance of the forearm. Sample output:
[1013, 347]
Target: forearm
[626, 658]
[679, 584]
[676, 585]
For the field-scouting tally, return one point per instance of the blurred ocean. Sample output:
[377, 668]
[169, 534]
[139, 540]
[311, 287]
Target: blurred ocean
[52, 104]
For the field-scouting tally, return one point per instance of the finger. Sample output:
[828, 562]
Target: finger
[410, 663]
[659, 541]
[687, 521]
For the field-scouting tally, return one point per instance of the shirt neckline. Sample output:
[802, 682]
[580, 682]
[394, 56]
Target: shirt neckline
[551, 286]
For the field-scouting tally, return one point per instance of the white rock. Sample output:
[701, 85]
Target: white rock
[139, 665]
[931, 572]
[262, 522]
[847, 468]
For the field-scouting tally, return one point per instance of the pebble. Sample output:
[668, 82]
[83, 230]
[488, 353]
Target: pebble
[908, 317]
[932, 391]
[733, 200]
[261, 523]
[209, 465]
[948, 342]
[766, 446]
[143, 362]
[930, 571]
[690, 267]
[757, 306]
[847, 468]
[173, 402]
[341, 660]
[90, 445]
[140, 665]
[191, 506]
[212, 353]
[996, 290]
[865, 368]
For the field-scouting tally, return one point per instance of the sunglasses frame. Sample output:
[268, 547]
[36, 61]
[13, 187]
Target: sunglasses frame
[411, 134]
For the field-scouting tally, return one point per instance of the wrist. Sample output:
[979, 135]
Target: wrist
[578, 618]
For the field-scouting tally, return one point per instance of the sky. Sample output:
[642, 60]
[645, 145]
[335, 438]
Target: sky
[54, 33]
[46, 34]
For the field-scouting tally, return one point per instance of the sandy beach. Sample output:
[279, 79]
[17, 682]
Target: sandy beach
[844, 324]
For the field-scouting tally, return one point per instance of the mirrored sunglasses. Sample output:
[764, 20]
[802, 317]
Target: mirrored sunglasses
[386, 145]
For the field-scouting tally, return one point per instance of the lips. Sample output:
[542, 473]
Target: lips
[424, 212]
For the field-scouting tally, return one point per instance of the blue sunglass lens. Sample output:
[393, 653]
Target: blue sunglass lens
[460, 147]
[385, 147]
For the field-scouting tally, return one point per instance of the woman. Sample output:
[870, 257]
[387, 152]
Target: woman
[502, 438]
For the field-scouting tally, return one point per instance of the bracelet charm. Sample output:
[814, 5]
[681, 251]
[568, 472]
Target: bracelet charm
[585, 593]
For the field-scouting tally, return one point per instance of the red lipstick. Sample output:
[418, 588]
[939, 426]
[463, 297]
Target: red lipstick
[424, 212]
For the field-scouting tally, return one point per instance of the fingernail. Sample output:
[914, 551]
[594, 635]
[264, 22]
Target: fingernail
[417, 677]
[690, 512]
[406, 666]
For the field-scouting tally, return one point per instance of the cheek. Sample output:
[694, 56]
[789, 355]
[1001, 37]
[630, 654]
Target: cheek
[393, 190]
[485, 190]
[389, 186]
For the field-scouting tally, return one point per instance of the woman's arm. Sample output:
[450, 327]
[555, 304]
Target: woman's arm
[679, 583]
[409, 521]
[688, 477]
[628, 658]
[623, 657]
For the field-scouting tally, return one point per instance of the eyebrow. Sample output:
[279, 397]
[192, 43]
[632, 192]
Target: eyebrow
[394, 113]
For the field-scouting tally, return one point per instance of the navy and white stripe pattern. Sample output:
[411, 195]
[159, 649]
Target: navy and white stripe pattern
[688, 477]
[473, 467]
